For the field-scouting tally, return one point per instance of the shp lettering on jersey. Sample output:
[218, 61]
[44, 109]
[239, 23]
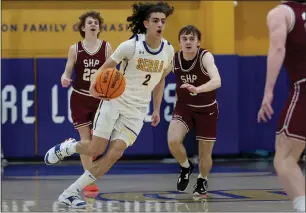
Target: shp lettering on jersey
[148, 65]
[92, 63]
[189, 78]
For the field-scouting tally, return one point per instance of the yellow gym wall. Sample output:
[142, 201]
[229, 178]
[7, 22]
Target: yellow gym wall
[45, 28]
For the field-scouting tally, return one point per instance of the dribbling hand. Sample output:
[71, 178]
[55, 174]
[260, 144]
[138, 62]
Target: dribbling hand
[266, 109]
[191, 88]
[95, 94]
[155, 118]
[65, 81]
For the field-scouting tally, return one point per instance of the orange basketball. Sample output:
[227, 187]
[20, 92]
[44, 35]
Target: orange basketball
[111, 83]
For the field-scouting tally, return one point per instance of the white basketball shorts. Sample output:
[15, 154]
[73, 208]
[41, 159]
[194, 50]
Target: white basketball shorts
[116, 119]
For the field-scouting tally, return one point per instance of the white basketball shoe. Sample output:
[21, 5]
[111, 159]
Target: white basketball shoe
[72, 200]
[59, 152]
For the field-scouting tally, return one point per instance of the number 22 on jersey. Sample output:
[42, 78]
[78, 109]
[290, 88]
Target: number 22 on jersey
[88, 73]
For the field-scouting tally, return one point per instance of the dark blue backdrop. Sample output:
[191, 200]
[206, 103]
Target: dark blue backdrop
[243, 80]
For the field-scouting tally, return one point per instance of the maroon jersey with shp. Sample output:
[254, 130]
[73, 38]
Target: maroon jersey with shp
[295, 59]
[194, 73]
[87, 63]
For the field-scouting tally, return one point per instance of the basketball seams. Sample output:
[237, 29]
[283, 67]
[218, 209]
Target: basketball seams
[109, 82]
[101, 80]
[112, 85]
[110, 96]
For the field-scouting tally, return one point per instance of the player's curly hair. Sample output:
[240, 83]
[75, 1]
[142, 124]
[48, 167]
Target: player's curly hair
[190, 29]
[84, 16]
[142, 11]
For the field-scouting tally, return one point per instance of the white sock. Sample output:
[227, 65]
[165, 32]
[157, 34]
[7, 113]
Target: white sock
[299, 203]
[86, 179]
[201, 176]
[71, 148]
[185, 164]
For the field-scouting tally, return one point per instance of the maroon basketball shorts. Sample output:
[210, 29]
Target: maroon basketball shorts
[83, 109]
[292, 120]
[205, 123]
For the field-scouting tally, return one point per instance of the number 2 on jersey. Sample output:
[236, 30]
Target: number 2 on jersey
[148, 77]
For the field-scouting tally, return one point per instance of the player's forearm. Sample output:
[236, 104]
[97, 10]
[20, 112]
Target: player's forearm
[210, 85]
[68, 72]
[158, 93]
[275, 60]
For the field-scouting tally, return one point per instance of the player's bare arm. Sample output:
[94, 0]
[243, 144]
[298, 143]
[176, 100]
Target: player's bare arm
[66, 76]
[215, 80]
[109, 50]
[158, 93]
[278, 20]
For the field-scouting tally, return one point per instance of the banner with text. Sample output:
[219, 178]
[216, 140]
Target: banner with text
[50, 109]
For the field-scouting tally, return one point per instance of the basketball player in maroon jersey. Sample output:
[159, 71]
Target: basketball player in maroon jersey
[287, 29]
[85, 57]
[197, 79]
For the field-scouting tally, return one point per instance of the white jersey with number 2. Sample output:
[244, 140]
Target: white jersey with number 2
[142, 67]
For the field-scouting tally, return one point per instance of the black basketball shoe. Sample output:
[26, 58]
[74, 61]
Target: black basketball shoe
[200, 188]
[183, 180]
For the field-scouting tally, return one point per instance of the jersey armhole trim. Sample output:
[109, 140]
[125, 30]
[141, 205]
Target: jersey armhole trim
[76, 53]
[292, 17]
[106, 50]
[204, 71]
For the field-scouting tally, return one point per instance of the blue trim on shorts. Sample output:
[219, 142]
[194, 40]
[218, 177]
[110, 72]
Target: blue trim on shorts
[95, 121]
[131, 130]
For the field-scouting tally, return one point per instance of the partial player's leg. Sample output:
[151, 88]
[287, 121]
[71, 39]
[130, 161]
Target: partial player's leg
[205, 165]
[70, 196]
[82, 107]
[124, 134]
[102, 127]
[290, 144]
[85, 135]
[206, 131]
[178, 128]
[288, 152]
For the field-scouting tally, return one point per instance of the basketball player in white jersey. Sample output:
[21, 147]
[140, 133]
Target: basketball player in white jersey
[80, 57]
[146, 60]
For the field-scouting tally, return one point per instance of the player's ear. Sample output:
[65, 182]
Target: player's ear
[146, 23]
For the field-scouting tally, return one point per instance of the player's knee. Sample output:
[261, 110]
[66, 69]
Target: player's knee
[93, 152]
[116, 150]
[174, 141]
[97, 145]
[279, 163]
